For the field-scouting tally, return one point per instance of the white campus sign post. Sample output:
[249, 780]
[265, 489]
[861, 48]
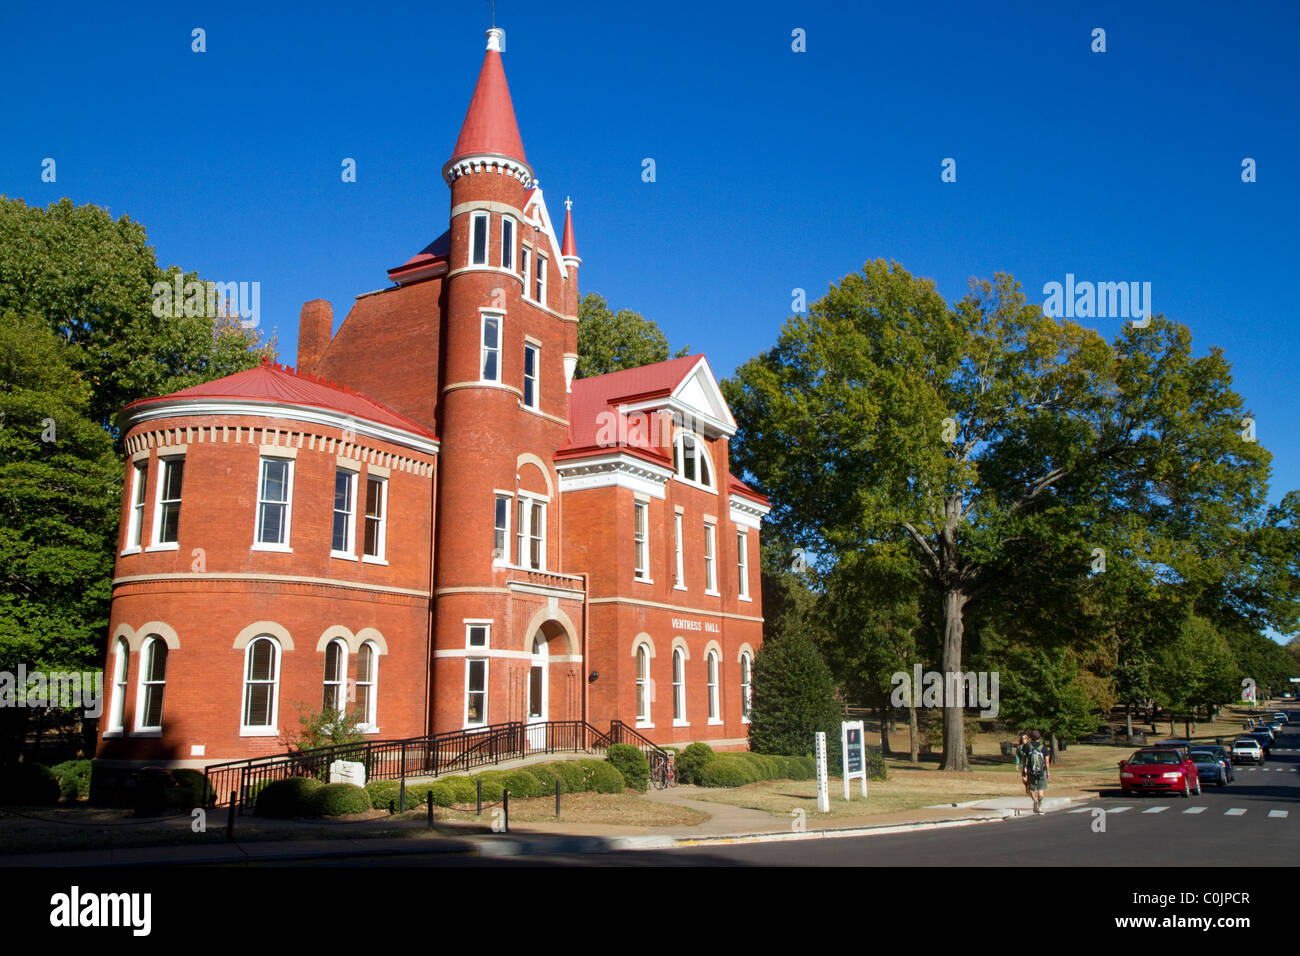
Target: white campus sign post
[852, 747]
[823, 786]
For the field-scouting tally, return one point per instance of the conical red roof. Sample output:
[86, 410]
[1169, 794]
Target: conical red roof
[567, 246]
[490, 126]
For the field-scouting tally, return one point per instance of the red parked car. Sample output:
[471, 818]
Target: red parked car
[1160, 770]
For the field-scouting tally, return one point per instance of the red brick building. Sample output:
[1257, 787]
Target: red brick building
[460, 535]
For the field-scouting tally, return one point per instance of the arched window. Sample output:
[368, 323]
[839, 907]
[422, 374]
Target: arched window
[679, 686]
[746, 681]
[691, 459]
[121, 655]
[261, 687]
[642, 684]
[367, 674]
[153, 681]
[713, 687]
[336, 674]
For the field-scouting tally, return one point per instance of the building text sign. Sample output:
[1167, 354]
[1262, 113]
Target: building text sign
[689, 624]
[853, 747]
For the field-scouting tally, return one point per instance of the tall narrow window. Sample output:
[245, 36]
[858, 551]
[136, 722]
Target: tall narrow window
[710, 572]
[713, 686]
[742, 562]
[541, 280]
[640, 542]
[335, 675]
[530, 375]
[376, 508]
[537, 535]
[491, 363]
[120, 657]
[153, 681]
[477, 639]
[681, 571]
[261, 686]
[343, 541]
[273, 493]
[166, 523]
[521, 531]
[367, 668]
[507, 243]
[479, 239]
[746, 683]
[642, 685]
[501, 529]
[679, 686]
[525, 269]
[135, 525]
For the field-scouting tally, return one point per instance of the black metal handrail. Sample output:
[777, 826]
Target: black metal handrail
[656, 756]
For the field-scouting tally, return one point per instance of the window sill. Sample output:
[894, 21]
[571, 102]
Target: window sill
[259, 731]
[695, 484]
[147, 732]
[110, 734]
[744, 720]
[125, 551]
[367, 728]
[644, 725]
[281, 548]
[713, 722]
[680, 587]
[343, 556]
[166, 546]
[709, 593]
[367, 559]
[745, 597]
[681, 723]
[643, 580]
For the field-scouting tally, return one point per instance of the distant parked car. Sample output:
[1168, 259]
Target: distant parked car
[1209, 767]
[1156, 769]
[1275, 726]
[1282, 716]
[1247, 750]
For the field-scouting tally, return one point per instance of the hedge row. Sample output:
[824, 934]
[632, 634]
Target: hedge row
[737, 769]
[573, 776]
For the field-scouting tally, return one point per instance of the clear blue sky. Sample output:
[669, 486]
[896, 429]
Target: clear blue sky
[775, 169]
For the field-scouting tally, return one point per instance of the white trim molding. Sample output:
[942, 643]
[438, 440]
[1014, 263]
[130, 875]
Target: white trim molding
[746, 512]
[618, 469]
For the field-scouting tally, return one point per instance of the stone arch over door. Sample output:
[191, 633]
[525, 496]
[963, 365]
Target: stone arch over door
[551, 632]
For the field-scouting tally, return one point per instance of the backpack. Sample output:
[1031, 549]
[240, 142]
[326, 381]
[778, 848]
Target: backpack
[1036, 761]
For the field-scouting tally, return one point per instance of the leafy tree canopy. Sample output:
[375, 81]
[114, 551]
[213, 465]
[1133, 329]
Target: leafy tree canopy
[610, 341]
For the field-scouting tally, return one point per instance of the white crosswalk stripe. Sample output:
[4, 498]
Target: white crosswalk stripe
[1196, 809]
[1082, 810]
[1156, 810]
[1118, 809]
[1234, 812]
[1277, 813]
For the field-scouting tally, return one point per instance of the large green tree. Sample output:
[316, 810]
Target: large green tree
[1002, 445]
[609, 341]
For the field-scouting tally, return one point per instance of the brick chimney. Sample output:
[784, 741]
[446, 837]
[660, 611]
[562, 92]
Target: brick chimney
[315, 327]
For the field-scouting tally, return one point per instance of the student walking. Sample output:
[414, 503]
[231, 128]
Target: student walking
[1036, 770]
[1022, 749]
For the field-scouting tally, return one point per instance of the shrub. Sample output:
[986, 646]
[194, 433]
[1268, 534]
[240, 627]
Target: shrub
[602, 776]
[793, 699]
[572, 776]
[546, 777]
[462, 789]
[338, 799]
[441, 794]
[74, 778]
[188, 789]
[521, 783]
[327, 728]
[692, 759]
[29, 784]
[492, 788]
[788, 768]
[632, 764]
[877, 769]
[763, 767]
[721, 772]
[287, 798]
[384, 794]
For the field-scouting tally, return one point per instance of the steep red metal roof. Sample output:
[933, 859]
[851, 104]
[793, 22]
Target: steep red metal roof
[276, 384]
[567, 246]
[593, 404]
[490, 125]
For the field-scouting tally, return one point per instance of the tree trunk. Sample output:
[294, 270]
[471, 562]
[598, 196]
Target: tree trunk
[954, 711]
[913, 732]
[884, 731]
[1128, 719]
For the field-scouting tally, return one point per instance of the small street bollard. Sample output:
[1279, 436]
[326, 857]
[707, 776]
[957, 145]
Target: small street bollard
[430, 805]
[230, 817]
[479, 786]
[401, 797]
[557, 798]
[505, 810]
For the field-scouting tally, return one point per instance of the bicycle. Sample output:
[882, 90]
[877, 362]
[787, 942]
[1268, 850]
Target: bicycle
[664, 773]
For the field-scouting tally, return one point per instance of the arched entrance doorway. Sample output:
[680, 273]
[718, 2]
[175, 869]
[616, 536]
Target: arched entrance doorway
[538, 693]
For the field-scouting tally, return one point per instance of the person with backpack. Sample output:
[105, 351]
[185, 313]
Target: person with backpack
[1036, 770]
[1022, 748]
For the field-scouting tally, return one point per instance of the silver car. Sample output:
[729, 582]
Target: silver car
[1247, 750]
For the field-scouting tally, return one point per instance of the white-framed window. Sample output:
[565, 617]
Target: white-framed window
[541, 279]
[641, 541]
[490, 365]
[135, 521]
[530, 532]
[480, 227]
[478, 640]
[507, 244]
[681, 565]
[334, 694]
[501, 529]
[691, 460]
[167, 507]
[742, 562]
[710, 549]
[274, 498]
[121, 656]
[531, 353]
[746, 685]
[679, 687]
[343, 537]
[711, 663]
[376, 519]
[367, 680]
[642, 686]
[525, 268]
[260, 711]
[153, 681]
